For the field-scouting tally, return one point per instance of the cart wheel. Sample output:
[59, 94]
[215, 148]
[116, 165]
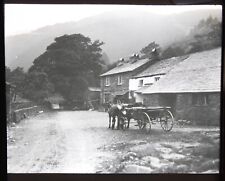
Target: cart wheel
[140, 124]
[166, 120]
[146, 122]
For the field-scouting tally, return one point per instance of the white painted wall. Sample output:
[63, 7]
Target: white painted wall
[138, 97]
[134, 83]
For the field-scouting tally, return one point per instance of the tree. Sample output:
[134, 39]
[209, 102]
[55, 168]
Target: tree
[205, 35]
[72, 63]
[16, 77]
[152, 50]
[37, 86]
[172, 51]
[7, 73]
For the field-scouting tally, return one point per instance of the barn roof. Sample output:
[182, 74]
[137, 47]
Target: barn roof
[160, 67]
[200, 72]
[126, 67]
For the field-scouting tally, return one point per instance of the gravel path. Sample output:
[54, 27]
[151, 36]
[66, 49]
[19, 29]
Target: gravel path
[80, 142]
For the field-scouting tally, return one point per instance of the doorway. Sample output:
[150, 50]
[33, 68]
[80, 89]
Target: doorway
[168, 100]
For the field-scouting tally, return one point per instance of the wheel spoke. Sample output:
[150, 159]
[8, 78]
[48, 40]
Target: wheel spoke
[166, 121]
[146, 122]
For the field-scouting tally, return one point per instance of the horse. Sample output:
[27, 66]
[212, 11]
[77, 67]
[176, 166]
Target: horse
[114, 111]
[117, 110]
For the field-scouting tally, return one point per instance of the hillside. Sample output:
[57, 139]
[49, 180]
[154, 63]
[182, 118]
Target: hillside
[122, 32]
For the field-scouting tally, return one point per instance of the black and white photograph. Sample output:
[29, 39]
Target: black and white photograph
[113, 89]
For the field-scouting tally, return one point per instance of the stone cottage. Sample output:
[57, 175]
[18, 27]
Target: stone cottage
[150, 76]
[115, 82]
[192, 88]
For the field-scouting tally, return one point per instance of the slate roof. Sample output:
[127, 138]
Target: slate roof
[200, 72]
[161, 66]
[126, 67]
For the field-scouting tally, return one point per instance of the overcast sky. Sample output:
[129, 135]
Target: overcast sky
[21, 18]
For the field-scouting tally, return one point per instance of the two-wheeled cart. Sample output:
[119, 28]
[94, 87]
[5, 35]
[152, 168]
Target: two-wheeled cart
[146, 116]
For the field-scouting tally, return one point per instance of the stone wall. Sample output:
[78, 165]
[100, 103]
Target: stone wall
[23, 113]
[113, 89]
[198, 114]
[184, 109]
[151, 100]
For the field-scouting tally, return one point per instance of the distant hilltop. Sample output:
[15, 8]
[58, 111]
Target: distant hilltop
[122, 32]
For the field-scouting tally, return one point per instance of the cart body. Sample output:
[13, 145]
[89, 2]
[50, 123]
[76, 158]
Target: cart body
[146, 116]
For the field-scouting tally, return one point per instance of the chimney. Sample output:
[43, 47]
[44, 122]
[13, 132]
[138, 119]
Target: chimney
[121, 59]
[120, 62]
[134, 56]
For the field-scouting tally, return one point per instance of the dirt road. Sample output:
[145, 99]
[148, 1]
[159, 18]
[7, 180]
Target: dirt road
[80, 142]
[57, 142]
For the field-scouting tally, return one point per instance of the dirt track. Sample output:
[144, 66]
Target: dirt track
[80, 142]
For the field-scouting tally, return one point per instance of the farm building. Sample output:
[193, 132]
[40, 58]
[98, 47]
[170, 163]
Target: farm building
[192, 88]
[151, 75]
[115, 82]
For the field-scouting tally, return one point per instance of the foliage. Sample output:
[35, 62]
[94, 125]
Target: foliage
[111, 66]
[7, 73]
[204, 36]
[71, 64]
[37, 86]
[173, 51]
[16, 77]
[152, 50]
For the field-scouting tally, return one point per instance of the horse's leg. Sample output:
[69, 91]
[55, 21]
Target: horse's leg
[128, 122]
[118, 122]
[109, 121]
[113, 122]
[122, 123]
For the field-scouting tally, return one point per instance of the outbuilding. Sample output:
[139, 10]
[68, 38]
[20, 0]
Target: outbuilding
[191, 88]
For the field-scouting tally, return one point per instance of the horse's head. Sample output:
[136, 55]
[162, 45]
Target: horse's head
[120, 107]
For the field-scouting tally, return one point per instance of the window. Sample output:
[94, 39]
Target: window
[156, 79]
[140, 83]
[107, 81]
[148, 84]
[119, 80]
[200, 99]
